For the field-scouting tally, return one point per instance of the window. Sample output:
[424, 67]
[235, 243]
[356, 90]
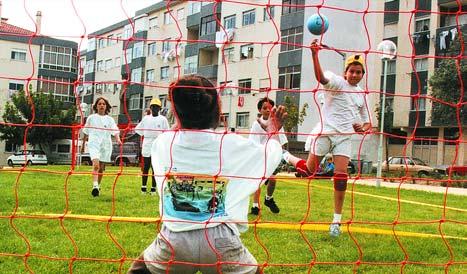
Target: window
[180, 14]
[110, 40]
[194, 7]
[134, 102]
[229, 22]
[127, 32]
[289, 77]
[108, 64]
[246, 52]
[228, 55]
[18, 55]
[164, 73]
[138, 50]
[15, 85]
[150, 75]
[153, 23]
[102, 43]
[128, 54]
[422, 25]
[151, 49]
[291, 6]
[91, 44]
[100, 65]
[89, 66]
[421, 64]
[108, 88]
[58, 58]
[266, 15]
[225, 90]
[208, 25]
[391, 67]
[61, 88]
[291, 39]
[166, 45]
[136, 74]
[417, 104]
[242, 119]
[147, 101]
[167, 18]
[141, 24]
[10, 147]
[244, 86]
[191, 64]
[248, 17]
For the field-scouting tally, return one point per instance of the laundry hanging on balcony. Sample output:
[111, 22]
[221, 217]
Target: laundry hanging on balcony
[446, 37]
[224, 36]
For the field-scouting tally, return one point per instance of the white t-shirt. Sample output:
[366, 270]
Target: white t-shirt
[99, 128]
[150, 127]
[343, 106]
[186, 202]
[260, 136]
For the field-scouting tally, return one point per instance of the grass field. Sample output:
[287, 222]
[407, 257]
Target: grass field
[31, 242]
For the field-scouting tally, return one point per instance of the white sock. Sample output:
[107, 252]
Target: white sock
[337, 218]
[95, 184]
[255, 205]
[268, 197]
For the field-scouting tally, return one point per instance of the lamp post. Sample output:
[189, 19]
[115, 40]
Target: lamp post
[229, 90]
[388, 50]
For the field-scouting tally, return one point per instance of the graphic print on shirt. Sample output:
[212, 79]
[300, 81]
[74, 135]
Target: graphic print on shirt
[194, 197]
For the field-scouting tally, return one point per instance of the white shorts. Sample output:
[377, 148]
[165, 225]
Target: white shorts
[101, 152]
[335, 144]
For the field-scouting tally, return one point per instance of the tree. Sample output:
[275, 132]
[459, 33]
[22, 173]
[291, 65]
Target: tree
[47, 110]
[446, 86]
[295, 117]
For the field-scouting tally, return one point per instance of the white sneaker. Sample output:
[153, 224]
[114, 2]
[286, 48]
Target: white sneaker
[335, 230]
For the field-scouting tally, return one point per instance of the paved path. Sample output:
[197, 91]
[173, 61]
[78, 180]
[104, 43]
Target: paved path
[428, 188]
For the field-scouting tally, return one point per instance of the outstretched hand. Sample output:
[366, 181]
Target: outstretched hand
[314, 46]
[359, 127]
[276, 120]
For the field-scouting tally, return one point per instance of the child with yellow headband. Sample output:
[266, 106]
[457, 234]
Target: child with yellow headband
[344, 112]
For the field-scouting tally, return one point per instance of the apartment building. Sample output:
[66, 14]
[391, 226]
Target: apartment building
[431, 30]
[40, 63]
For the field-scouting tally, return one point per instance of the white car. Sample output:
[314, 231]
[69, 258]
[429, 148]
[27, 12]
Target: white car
[28, 157]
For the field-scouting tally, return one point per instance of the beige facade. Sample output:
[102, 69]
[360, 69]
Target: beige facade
[18, 62]
[408, 29]
[260, 66]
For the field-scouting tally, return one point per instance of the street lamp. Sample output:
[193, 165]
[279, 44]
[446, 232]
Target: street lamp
[388, 50]
[230, 91]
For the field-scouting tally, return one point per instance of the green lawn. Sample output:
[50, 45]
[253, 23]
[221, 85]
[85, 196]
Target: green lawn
[53, 245]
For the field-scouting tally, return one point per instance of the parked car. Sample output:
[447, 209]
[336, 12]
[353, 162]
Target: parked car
[454, 170]
[28, 157]
[412, 165]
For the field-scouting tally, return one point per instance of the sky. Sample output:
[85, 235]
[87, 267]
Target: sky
[59, 18]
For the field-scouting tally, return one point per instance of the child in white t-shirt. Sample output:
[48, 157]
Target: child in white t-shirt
[259, 135]
[149, 128]
[98, 131]
[344, 113]
[204, 181]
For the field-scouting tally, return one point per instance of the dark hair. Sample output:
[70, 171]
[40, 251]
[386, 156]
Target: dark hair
[195, 102]
[107, 105]
[264, 100]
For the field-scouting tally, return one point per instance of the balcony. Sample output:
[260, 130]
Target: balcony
[209, 71]
[193, 21]
[444, 41]
[191, 49]
[207, 37]
[421, 42]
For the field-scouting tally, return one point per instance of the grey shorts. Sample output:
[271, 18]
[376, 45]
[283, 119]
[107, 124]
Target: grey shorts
[190, 251]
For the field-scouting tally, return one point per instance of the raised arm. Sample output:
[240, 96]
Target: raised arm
[317, 66]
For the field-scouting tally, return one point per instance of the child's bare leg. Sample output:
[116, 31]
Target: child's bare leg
[101, 172]
[95, 170]
[340, 183]
[271, 187]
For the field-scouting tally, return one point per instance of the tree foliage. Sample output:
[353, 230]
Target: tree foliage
[47, 111]
[447, 84]
[295, 116]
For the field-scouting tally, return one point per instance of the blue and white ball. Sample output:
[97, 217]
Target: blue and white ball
[317, 24]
